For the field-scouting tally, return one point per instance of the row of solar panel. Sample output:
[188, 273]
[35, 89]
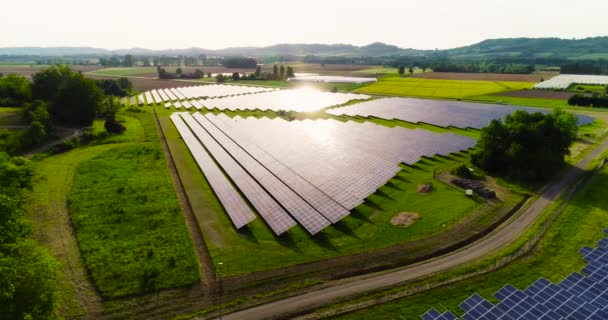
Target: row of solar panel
[166, 96]
[439, 113]
[301, 100]
[317, 171]
[576, 297]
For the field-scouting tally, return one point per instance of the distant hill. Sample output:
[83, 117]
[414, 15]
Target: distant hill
[591, 48]
[538, 47]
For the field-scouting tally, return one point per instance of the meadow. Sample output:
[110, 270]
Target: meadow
[580, 224]
[116, 191]
[435, 88]
[129, 224]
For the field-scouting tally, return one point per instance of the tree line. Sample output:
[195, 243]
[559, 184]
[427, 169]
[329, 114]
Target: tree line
[57, 96]
[28, 273]
[280, 73]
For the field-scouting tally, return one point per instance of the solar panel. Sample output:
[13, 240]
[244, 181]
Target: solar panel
[300, 100]
[305, 214]
[235, 206]
[278, 220]
[577, 296]
[436, 112]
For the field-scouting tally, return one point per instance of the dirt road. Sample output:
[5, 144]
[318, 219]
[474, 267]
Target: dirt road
[494, 242]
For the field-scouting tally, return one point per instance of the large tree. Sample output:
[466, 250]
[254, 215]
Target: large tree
[14, 91]
[526, 146]
[73, 99]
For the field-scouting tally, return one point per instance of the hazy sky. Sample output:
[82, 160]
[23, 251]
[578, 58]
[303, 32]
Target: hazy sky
[425, 24]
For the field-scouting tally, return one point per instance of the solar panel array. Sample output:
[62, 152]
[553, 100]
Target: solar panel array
[579, 296]
[331, 79]
[163, 96]
[564, 81]
[311, 171]
[300, 100]
[437, 112]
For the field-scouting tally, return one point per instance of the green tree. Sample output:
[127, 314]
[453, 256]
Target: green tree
[411, 70]
[236, 76]
[179, 72]
[112, 106]
[526, 146]
[15, 91]
[275, 72]
[128, 61]
[258, 71]
[282, 72]
[401, 71]
[290, 72]
[219, 78]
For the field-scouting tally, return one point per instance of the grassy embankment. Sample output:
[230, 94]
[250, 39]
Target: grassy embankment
[581, 223]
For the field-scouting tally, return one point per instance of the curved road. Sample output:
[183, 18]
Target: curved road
[492, 243]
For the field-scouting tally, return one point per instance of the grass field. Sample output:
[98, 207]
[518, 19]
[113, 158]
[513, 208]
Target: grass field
[581, 223]
[381, 70]
[256, 248]
[123, 206]
[449, 89]
[125, 71]
[580, 88]
[128, 222]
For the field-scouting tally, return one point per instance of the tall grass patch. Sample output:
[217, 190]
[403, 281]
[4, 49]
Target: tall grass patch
[129, 224]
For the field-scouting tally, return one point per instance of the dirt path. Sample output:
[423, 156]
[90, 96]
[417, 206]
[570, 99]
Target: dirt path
[52, 227]
[475, 252]
[75, 133]
[204, 259]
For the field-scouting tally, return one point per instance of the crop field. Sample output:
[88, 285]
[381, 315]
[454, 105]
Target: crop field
[580, 224]
[125, 71]
[538, 94]
[366, 228]
[29, 70]
[448, 89]
[501, 77]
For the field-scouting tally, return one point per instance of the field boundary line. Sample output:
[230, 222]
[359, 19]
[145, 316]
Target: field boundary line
[207, 270]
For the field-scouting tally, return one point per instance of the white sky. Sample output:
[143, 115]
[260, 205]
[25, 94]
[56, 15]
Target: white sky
[426, 24]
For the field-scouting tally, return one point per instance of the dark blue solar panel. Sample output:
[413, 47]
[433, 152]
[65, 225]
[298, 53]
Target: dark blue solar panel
[578, 296]
[432, 314]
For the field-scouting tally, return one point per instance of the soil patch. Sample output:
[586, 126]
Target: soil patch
[404, 219]
[534, 77]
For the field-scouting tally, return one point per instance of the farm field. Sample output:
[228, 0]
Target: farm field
[123, 72]
[581, 223]
[448, 89]
[537, 94]
[501, 77]
[29, 70]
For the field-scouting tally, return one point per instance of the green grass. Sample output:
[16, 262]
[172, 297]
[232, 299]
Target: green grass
[125, 71]
[129, 224]
[532, 102]
[381, 70]
[581, 223]
[123, 206]
[432, 88]
[11, 117]
[580, 88]
[257, 248]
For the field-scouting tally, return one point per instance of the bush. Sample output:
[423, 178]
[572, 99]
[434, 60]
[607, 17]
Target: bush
[595, 100]
[114, 126]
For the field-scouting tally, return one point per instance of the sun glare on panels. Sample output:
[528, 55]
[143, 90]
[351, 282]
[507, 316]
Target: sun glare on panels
[281, 178]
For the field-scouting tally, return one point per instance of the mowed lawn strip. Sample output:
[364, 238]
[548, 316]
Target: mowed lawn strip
[256, 248]
[434, 88]
[129, 224]
[580, 224]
